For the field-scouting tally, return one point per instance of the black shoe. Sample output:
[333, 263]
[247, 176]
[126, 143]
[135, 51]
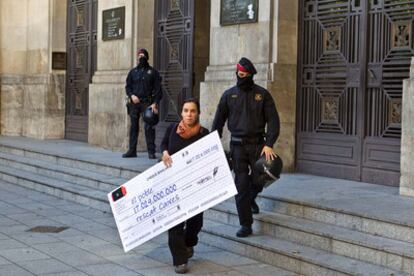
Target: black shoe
[181, 269]
[190, 252]
[129, 154]
[255, 207]
[151, 156]
[244, 231]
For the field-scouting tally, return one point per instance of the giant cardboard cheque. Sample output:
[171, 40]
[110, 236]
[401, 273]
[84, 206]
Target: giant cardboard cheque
[160, 197]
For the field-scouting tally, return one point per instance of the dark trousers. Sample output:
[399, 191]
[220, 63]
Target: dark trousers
[182, 236]
[254, 188]
[244, 157]
[135, 111]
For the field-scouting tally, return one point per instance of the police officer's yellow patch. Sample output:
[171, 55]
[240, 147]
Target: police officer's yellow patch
[258, 97]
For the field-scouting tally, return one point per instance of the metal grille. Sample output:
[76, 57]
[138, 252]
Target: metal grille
[389, 51]
[81, 48]
[353, 58]
[174, 56]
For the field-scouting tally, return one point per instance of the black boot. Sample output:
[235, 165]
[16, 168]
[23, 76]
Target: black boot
[129, 154]
[190, 252]
[255, 207]
[181, 269]
[151, 155]
[244, 231]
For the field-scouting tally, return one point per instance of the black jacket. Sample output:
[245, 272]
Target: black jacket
[145, 83]
[248, 113]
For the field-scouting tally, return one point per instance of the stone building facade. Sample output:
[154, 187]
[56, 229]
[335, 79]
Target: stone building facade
[407, 139]
[34, 97]
[32, 94]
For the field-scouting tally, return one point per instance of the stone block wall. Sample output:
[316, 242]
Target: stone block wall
[407, 137]
[283, 90]
[108, 120]
[33, 106]
[271, 44]
[32, 94]
[12, 90]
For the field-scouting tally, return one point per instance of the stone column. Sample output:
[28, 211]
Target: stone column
[283, 77]
[12, 64]
[107, 116]
[33, 95]
[11, 104]
[108, 120]
[407, 137]
[227, 45]
[271, 44]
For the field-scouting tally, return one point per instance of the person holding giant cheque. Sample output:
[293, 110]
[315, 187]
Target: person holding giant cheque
[183, 237]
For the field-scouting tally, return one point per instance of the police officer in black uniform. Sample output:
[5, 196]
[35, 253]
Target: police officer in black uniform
[143, 88]
[249, 110]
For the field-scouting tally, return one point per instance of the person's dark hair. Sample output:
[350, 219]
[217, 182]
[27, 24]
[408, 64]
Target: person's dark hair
[192, 100]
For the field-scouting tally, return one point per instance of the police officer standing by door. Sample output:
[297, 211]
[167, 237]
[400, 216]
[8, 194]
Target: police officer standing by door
[143, 88]
[254, 125]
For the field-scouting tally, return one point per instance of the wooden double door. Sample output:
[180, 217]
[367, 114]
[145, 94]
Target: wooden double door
[353, 57]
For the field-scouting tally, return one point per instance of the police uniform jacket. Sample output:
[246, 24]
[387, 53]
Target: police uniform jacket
[248, 113]
[145, 83]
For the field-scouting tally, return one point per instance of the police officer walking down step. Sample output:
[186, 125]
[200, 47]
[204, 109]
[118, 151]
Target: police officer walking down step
[143, 88]
[253, 122]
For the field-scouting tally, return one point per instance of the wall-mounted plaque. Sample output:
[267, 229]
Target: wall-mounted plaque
[238, 11]
[113, 24]
[59, 60]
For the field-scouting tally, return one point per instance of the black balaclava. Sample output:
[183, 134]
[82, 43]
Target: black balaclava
[245, 83]
[143, 61]
[245, 65]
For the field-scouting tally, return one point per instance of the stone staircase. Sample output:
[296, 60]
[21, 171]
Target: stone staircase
[309, 247]
[59, 171]
[316, 226]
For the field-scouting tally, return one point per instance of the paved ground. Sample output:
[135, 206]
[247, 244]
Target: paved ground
[91, 245]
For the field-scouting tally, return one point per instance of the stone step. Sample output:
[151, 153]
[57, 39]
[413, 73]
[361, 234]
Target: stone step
[59, 188]
[90, 179]
[82, 157]
[394, 228]
[381, 251]
[288, 255]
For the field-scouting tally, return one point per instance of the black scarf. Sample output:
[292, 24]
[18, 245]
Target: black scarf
[245, 83]
[143, 62]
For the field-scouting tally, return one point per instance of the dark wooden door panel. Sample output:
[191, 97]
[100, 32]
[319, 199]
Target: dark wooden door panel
[173, 55]
[81, 49]
[352, 60]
